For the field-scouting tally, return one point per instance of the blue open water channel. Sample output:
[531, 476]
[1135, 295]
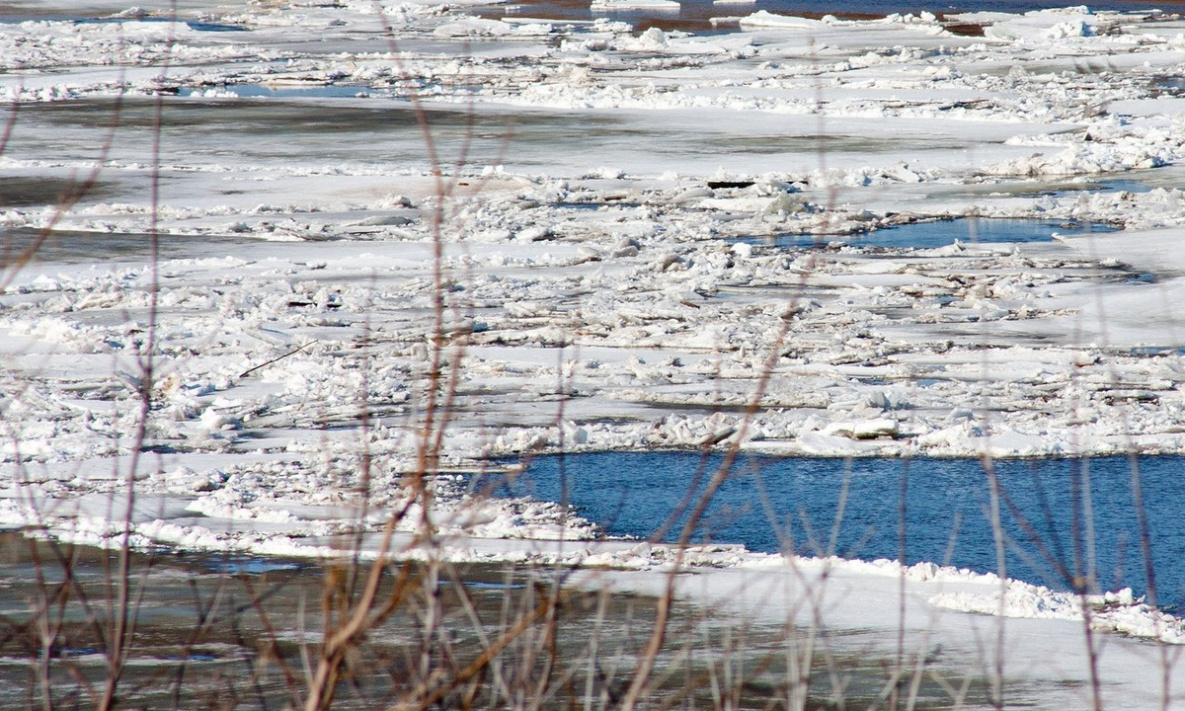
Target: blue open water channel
[940, 233]
[924, 235]
[1061, 517]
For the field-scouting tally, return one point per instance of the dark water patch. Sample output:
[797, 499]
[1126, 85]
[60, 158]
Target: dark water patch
[985, 192]
[940, 233]
[21, 244]
[376, 132]
[587, 206]
[29, 191]
[214, 26]
[1169, 86]
[1072, 188]
[222, 629]
[831, 143]
[964, 29]
[242, 639]
[1061, 517]
[1130, 186]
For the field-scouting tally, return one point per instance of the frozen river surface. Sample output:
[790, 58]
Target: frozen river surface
[266, 266]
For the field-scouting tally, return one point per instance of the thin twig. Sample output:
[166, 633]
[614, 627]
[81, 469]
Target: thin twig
[277, 359]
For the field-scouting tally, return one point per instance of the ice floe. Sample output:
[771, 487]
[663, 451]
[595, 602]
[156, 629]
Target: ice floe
[588, 248]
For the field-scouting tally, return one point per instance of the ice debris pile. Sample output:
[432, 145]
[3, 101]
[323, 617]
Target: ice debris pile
[1113, 611]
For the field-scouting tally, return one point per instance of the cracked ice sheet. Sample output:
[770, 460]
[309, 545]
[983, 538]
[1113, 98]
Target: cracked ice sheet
[593, 281]
[271, 185]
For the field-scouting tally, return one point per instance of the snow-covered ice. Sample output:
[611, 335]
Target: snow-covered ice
[606, 207]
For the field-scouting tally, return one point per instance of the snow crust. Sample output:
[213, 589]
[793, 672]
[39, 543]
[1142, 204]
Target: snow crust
[609, 260]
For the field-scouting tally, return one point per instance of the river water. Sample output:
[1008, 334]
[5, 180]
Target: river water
[226, 631]
[213, 631]
[1060, 517]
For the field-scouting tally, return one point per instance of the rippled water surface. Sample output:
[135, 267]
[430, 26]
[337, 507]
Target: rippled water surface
[1060, 517]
